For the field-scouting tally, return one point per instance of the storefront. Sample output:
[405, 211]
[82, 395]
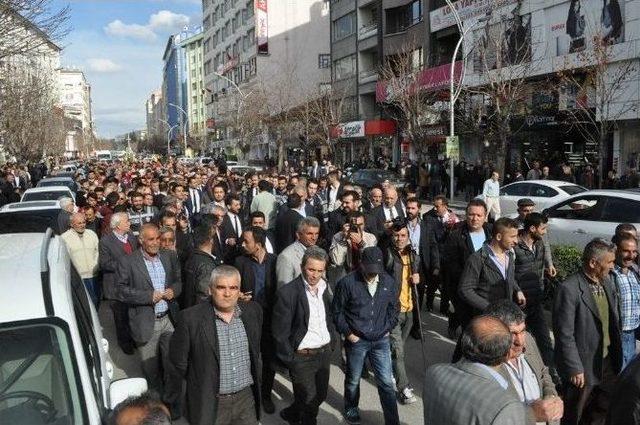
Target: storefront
[365, 139]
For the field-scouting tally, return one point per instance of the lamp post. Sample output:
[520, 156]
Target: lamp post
[453, 92]
[184, 125]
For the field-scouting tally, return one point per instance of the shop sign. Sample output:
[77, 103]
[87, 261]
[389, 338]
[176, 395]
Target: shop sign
[467, 9]
[431, 79]
[453, 148]
[262, 27]
[435, 131]
[350, 130]
[540, 120]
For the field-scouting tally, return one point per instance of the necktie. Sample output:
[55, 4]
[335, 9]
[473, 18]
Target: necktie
[237, 225]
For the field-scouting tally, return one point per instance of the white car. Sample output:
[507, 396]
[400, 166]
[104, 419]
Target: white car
[543, 192]
[47, 193]
[54, 362]
[592, 214]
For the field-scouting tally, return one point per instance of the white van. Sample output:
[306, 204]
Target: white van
[104, 156]
[54, 362]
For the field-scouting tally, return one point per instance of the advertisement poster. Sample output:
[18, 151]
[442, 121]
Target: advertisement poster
[576, 23]
[262, 27]
[443, 17]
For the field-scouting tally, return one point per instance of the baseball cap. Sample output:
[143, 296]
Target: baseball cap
[371, 260]
[526, 202]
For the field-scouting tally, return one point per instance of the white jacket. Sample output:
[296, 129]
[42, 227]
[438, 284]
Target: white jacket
[83, 251]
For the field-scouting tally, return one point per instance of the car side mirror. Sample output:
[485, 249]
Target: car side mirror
[124, 388]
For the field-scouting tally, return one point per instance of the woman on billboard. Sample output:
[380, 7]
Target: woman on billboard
[611, 21]
[575, 26]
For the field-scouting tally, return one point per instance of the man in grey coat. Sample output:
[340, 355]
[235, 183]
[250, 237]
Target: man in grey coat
[586, 326]
[473, 390]
[289, 260]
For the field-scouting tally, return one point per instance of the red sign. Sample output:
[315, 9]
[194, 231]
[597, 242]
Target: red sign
[364, 128]
[432, 79]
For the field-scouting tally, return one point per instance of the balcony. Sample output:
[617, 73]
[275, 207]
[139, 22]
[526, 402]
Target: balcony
[368, 76]
[368, 30]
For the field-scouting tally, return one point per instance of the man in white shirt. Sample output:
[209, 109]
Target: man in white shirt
[491, 195]
[304, 335]
[82, 245]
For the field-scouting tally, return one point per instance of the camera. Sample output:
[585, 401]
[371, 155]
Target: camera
[399, 223]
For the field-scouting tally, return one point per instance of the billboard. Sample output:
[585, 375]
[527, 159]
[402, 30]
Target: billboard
[467, 9]
[573, 25]
[262, 27]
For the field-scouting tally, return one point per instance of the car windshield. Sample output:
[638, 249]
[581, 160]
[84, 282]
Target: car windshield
[44, 196]
[45, 183]
[573, 189]
[37, 383]
[383, 175]
[34, 221]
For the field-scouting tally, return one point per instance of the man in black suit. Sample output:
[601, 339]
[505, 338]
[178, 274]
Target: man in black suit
[625, 399]
[114, 246]
[231, 229]
[313, 199]
[194, 201]
[199, 266]
[334, 190]
[258, 276]
[380, 218]
[202, 348]
[374, 199]
[287, 221]
[148, 282]
[338, 217]
[586, 325]
[465, 239]
[304, 334]
[258, 219]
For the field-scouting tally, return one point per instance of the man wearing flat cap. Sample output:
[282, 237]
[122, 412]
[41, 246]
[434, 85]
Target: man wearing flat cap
[365, 310]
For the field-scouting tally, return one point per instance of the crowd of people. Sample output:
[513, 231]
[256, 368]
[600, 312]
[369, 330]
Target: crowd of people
[217, 281]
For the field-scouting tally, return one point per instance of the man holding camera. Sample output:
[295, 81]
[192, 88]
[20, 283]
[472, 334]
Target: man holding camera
[347, 245]
[402, 264]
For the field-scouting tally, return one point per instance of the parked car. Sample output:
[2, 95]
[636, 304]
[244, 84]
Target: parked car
[59, 181]
[47, 193]
[592, 214]
[54, 362]
[241, 170]
[369, 177]
[29, 216]
[543, 192]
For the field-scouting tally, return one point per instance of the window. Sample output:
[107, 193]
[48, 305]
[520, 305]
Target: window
[344, 26]
[414, 12]
[516, 189]
[540, 191]
[400, 18]
[584, 208]
[324, 60]
[621, 210]
[345, 67]
[573, 190]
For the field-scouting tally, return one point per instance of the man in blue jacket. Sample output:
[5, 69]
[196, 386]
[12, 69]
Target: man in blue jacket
[365, 310]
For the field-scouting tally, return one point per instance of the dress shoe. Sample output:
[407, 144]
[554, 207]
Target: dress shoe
[415, 334]
[287, 415]
[268, 406]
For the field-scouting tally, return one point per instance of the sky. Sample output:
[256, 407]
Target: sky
[119, 45]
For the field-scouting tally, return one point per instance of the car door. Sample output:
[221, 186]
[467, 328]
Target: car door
[509, 196]
[576, 221]
[543, 196]
[618, 210]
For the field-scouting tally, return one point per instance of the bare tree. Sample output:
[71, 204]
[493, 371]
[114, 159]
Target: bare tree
[503, 66]
[594, 87]
[30, 123]
[409, 97]
[29, 25]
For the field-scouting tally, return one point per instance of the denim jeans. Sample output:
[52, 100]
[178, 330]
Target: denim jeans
[379, 355]
[93, 288]
[628, 347]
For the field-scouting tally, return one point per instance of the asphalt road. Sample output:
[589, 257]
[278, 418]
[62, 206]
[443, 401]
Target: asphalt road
[438, 348]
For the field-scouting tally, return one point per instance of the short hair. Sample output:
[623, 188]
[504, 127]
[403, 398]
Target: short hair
[294, 200]
[534, 219]
[65, 201]
[476, 203]
[230, 198]
[146, 226]
[116, 219]
[502, 224]
[136, 195]
[314, 253]
[444, 200]
[166, 229]
[625, 237]
[259, 234]
[201, 235]
[415, 201]
[311, 180]
[220, 185]
[221, 272]
[486, 340]
[154, 411]
[352, 193]
[112, 198]
[355, 214]
[256, 214]
[264, 186]
[308, 222]
[506, 311]
[622, 229]
[596, 249]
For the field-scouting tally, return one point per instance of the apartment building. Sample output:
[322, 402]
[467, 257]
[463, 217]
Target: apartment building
[193, 53]
[278, 48]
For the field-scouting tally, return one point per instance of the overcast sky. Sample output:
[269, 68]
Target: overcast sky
[119, 44]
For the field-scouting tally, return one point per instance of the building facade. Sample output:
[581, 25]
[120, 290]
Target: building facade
[175, 84]
[156, 127]
[75, 100]
[275, 50]
[192, 48]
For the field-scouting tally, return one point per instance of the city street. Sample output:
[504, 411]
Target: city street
[438, 349]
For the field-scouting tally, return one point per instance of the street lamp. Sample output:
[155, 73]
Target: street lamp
[184, 126]
[453, 93]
